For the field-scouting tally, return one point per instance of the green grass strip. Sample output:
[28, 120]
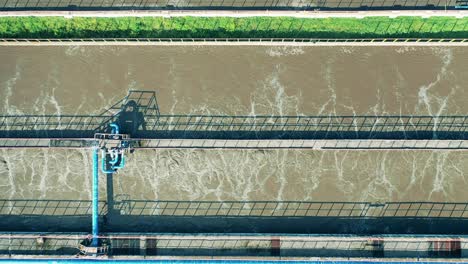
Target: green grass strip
[225, 27]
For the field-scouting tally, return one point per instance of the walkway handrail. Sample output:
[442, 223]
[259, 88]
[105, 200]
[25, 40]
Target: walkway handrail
[246, 116]
[33, 123]
[188, 40]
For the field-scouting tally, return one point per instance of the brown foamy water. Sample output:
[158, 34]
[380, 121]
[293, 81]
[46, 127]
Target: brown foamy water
[247, 81]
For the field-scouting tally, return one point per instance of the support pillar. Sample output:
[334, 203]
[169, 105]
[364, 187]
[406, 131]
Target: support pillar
[275, 246]
[142, 246]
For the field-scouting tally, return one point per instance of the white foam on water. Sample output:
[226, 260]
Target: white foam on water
[110, 99]
[10, 84]
[43, 185]
[270, 98]
[180, 3]
[400, 88]
[274, 175]
[72, 50]
[344, 184]
[347, 50]
[413, 161]
[282, 51]
[329, 106]
[81, 52]
[405, 49]
[436, 105]
[55, 104]
[8, 185]
[240, 183]
[210, 175]
[439, 179]
[383, 180]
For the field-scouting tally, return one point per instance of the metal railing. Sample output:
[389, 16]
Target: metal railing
[234, 40]
[315, 126]
[52, 122]
[308, 123]
[245, 123]
[461, 4]
[140, 109]
[27, 207]
[292, 209]
[24, 207]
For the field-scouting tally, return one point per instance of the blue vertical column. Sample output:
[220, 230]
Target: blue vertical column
[95, 198]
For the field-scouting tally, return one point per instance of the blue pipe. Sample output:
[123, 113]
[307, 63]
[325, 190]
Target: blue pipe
[122, 163]
[114, 128]
[103, 163]
[114, 161]
[95, 232]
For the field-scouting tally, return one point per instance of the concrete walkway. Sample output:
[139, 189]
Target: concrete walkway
[373, 144]
[307, 144]
[319, 248]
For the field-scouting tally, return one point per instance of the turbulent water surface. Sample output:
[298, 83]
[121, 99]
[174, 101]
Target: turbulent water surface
[247, 81]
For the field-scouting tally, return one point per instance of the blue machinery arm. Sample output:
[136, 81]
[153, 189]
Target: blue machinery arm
[114, 128]
[118, 158]
[103, 163]
[122, 163]
[112, 162]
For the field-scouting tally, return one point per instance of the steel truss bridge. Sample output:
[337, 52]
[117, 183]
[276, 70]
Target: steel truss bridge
[139, 117]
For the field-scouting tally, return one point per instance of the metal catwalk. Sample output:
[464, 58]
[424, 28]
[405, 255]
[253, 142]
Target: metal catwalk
[143, 126]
